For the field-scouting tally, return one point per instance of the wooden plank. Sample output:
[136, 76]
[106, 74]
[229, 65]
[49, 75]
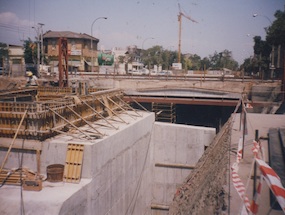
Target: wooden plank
[73, 163]
[175, 165]
[80, 159]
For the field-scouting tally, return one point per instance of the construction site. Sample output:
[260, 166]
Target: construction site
[112, 145]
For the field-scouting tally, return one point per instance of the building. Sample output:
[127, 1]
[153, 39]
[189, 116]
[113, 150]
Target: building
[14, 63]
[79, 50]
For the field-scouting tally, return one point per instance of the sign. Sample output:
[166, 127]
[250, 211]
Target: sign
[74, 52]
[176, 65]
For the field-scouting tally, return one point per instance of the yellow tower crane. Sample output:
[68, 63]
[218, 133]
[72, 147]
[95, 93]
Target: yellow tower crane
[180, 25]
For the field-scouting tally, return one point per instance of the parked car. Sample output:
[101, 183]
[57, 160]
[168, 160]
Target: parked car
[136, 72]
[165, 72]
[144, 71]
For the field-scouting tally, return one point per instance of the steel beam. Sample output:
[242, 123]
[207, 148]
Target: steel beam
[189, 101]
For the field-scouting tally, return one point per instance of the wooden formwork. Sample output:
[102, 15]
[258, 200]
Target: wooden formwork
[45, 118]
[50, 93]
[73, 163]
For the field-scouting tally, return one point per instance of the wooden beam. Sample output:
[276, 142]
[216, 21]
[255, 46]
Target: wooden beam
[18, 144]
[154, 206]
[175, 165]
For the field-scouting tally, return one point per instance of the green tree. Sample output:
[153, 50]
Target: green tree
[261, 60]
[193, 62]
[275, 37]
[30, 52]
[223, 60]
[276, 32]
[249, 66]
[3, 53]
[205, 63]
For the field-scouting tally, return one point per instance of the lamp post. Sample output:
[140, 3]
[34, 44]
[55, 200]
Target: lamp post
[92, 63]
[146, 40]
[255, 15]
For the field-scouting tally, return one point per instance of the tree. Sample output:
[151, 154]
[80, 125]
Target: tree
[276, 32]
[275, 37]
[223, 60]
[249, 67]
[3, 53]
[193, 62]
[262, 51]
[30, 52]
[205, 63]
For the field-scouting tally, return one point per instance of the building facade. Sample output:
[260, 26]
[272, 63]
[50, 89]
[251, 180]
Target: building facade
[13, 64]
[80, 53]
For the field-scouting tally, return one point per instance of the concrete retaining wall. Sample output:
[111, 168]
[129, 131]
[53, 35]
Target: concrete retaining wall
[175, 144]
[118, 173]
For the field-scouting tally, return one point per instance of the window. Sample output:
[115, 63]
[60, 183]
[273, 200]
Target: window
[53, 44]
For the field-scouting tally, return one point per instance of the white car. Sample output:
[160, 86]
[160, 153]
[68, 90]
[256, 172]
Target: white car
[153, 72]
[144, 71]
[136, 72]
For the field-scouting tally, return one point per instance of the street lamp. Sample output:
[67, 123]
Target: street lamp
[255, 15]
[92, 63]
[145, 40]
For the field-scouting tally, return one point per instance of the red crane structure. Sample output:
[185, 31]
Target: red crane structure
[62, 62]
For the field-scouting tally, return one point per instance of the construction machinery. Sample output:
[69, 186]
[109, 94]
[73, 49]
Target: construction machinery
[180, 26]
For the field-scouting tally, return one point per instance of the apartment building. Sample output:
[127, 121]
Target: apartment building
[80, 52]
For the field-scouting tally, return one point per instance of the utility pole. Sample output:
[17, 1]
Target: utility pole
[37, 29]
[38, 50]
[42, 44]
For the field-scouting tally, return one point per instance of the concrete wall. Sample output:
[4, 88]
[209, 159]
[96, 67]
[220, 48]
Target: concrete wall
[133, 83]
[175, 144]
[118, 173]
[119, 168]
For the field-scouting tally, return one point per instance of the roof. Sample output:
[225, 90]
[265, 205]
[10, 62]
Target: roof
[68, 34]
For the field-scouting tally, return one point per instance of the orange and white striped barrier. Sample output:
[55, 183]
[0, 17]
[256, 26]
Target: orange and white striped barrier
[273, 181]
[239, 186]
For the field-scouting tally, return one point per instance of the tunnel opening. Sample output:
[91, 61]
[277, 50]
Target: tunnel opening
[197, 115]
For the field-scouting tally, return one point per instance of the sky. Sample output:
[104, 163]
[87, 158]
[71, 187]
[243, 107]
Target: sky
[221, 24]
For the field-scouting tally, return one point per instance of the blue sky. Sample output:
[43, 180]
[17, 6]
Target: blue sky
[222, 24]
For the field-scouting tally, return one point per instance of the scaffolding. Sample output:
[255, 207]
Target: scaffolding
[164, 112]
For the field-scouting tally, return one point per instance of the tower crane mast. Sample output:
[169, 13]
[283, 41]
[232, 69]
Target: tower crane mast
[180, 14]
